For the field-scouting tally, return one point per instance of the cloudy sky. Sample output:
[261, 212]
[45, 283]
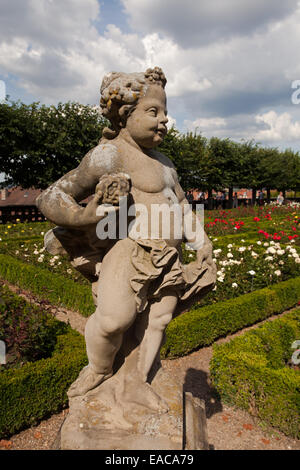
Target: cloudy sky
[230, 64]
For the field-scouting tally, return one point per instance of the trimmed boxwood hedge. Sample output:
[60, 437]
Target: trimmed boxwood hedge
[38, 389]
[187, 332]
[252, 372]
[46, 285]
[201, 327]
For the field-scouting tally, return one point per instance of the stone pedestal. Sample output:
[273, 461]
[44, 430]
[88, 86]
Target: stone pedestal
[98, 421]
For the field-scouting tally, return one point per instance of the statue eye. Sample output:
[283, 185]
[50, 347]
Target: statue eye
[152, 111]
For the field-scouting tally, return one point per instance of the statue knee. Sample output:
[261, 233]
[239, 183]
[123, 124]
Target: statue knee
[115, 324]
[161, 322]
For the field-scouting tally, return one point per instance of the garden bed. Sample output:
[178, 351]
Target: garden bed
[254, 372]
[32, 389]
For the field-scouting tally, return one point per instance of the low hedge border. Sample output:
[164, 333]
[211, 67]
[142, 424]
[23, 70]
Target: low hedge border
[46, 285]
[187, 332]
[250, 372]
[201, 327]
[38, 389]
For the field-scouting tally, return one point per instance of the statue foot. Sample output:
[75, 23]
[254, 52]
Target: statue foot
[144, 395]
[86, 381]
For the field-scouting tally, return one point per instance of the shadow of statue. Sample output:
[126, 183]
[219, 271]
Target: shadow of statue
[198, 383]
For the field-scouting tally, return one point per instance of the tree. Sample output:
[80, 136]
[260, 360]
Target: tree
[39, 144]
[221, 165]
[289, 164]
[186, 151]
[269, 168]
[249, 172]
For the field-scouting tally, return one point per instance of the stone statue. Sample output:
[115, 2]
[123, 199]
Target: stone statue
[138, 281]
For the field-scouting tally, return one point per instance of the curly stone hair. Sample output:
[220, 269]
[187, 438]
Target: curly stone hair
[120, 93]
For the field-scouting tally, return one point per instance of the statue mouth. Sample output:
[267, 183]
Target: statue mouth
[161, 132]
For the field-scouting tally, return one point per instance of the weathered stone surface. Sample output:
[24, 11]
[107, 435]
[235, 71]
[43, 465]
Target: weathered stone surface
[138, 278]
[98, 421]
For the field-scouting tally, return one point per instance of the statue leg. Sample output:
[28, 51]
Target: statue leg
[151, 335]
[115, 313]
[160, 315]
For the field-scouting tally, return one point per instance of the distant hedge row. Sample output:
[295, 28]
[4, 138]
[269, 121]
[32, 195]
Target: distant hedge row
[254, 371]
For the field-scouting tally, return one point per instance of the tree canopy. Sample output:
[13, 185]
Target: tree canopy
[39, 144]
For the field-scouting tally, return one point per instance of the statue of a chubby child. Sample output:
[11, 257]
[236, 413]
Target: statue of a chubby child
[137, 281]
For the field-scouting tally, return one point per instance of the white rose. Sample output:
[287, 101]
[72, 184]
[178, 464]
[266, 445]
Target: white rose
[229, 255]
[277, 272]
[234, 285]
[252, 272]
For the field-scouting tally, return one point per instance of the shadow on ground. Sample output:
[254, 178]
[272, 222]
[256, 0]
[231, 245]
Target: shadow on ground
[198, 383]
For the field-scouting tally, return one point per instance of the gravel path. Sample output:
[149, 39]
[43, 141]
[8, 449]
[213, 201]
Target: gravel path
[228, 428]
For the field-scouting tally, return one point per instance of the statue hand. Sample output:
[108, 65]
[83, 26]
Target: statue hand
[90, 214]
[205, 255]
[113, 187]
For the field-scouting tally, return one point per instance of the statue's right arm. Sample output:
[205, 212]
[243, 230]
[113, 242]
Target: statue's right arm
[59, 203]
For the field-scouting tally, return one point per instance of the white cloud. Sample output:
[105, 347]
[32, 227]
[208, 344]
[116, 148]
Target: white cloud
[205, 124]
[225, 62]
[56, 53]
[192, 23]
[279, 127]
[48, 22]
[171, 122]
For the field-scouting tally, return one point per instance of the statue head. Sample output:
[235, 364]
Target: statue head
[121, 92]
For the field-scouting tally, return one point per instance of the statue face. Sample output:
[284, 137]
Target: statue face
[147, 123]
